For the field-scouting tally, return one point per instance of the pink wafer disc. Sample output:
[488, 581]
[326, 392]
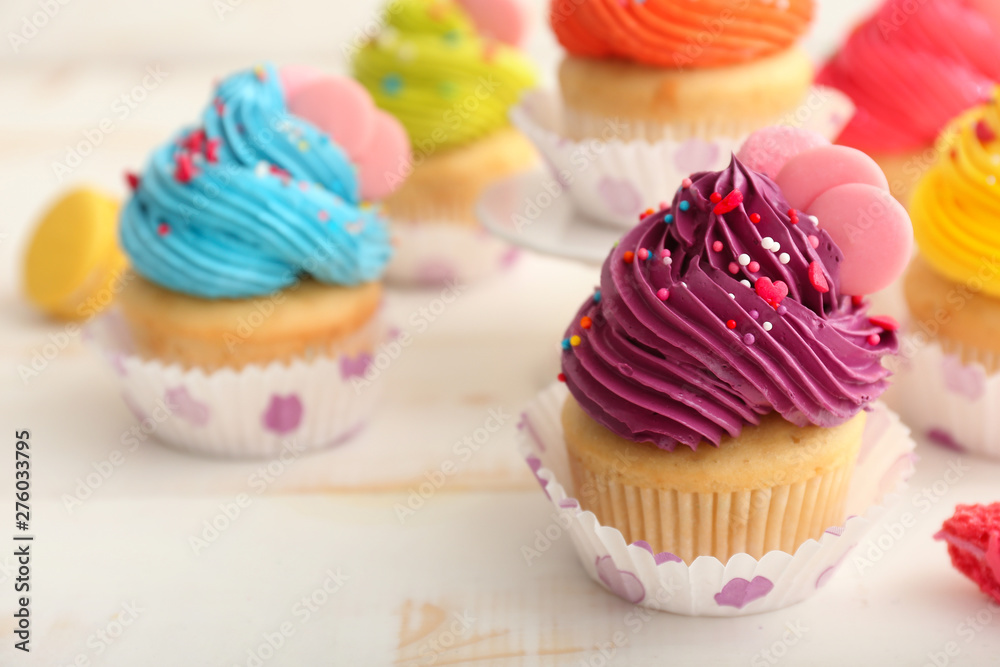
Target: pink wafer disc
[339, 106]
[294, 77]
[808, 175]
[873, 231]
[767, 150]
[383, 166]
[504, 20]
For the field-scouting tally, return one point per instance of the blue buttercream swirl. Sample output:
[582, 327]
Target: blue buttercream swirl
[251, 201]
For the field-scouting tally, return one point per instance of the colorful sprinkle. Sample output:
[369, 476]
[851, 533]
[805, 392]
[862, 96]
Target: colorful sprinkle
[768, 326]
[392, 84]
[984, 133]
[731, 324]
[643, 254]
[874, 339]
[323, 216]
[734, 267]
[163, 229]
[857, 301]
[766, 243]
[185, 169]
[745, 282]
[684, 205]
[663, 205]
[132, 179]
[664, 253]
[755, 218]
[732, 296]
[743, 259]
[754, 314]
[586, 322]
[749, 339]
[574, 340]
[782, 310]
[565, 344]
[887, 322]
[561, 377]
[715, 198]
[817, 279]
[717, 246]
[753, 267]
[668, 218]
[597, 296]
[686, 183]
[775, 247]
[663, 294]
[731, 201]
[784, 258]
[628, 257]
[212, 150]
[813, 240]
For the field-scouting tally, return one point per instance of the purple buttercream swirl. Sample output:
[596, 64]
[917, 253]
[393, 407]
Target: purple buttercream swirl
[669, 372]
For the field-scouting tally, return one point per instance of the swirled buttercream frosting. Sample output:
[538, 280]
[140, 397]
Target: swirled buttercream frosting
[249, 201]
[716, 310]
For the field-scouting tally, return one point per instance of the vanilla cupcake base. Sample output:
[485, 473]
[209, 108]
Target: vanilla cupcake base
[708, 587]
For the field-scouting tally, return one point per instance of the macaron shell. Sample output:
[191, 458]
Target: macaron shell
[339, 106]
[73, 255]
[813, 172]
[295, 77]
[382, 167]
[873, 231]
[504, 20]
[768, 149]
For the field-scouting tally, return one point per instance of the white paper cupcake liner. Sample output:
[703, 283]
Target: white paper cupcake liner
[953, 403]
[433, 254]
[614, 179]
[709, 587]
[256, 412]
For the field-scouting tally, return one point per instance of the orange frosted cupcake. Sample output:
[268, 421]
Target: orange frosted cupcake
[675, 68]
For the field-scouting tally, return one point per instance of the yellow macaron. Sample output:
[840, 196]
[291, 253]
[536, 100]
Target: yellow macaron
[73, 259]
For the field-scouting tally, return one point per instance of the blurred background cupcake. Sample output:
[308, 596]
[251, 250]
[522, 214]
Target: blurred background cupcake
[254, 300]
[678, 69]
[951, 390]
[909, 69]
[449, 71]
[651, 92]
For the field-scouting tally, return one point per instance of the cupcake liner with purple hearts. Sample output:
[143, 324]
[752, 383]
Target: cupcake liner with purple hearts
[951, 402]
[709, 587]
[614, 180]
[255, 412]
[434, 254]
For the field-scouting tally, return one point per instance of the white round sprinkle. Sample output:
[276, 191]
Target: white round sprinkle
[745, 283]
[766, 242]
[775, 247]
[732, 296]
[668, 261]
[784, 258]
[767, 326]
[991, 180]
[683, 284]
[744, 259]
[261, 169]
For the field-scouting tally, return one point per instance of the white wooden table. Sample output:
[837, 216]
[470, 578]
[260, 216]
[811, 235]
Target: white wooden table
[318, 568]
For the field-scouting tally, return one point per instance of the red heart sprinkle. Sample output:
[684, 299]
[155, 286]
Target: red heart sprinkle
[984, 133]
[731, 201]
[817, 279]
[772, 292]
[132, 179]
[887, 322]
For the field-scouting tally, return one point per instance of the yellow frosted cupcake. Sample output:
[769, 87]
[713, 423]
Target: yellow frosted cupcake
[952, 288]
[678, 69]
[451, 86]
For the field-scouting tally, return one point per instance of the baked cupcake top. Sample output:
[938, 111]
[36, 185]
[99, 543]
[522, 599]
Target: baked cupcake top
[249, 200]
[718, 309]
[911, 68]
[956, 204]
[432, 68]
[672, 33]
